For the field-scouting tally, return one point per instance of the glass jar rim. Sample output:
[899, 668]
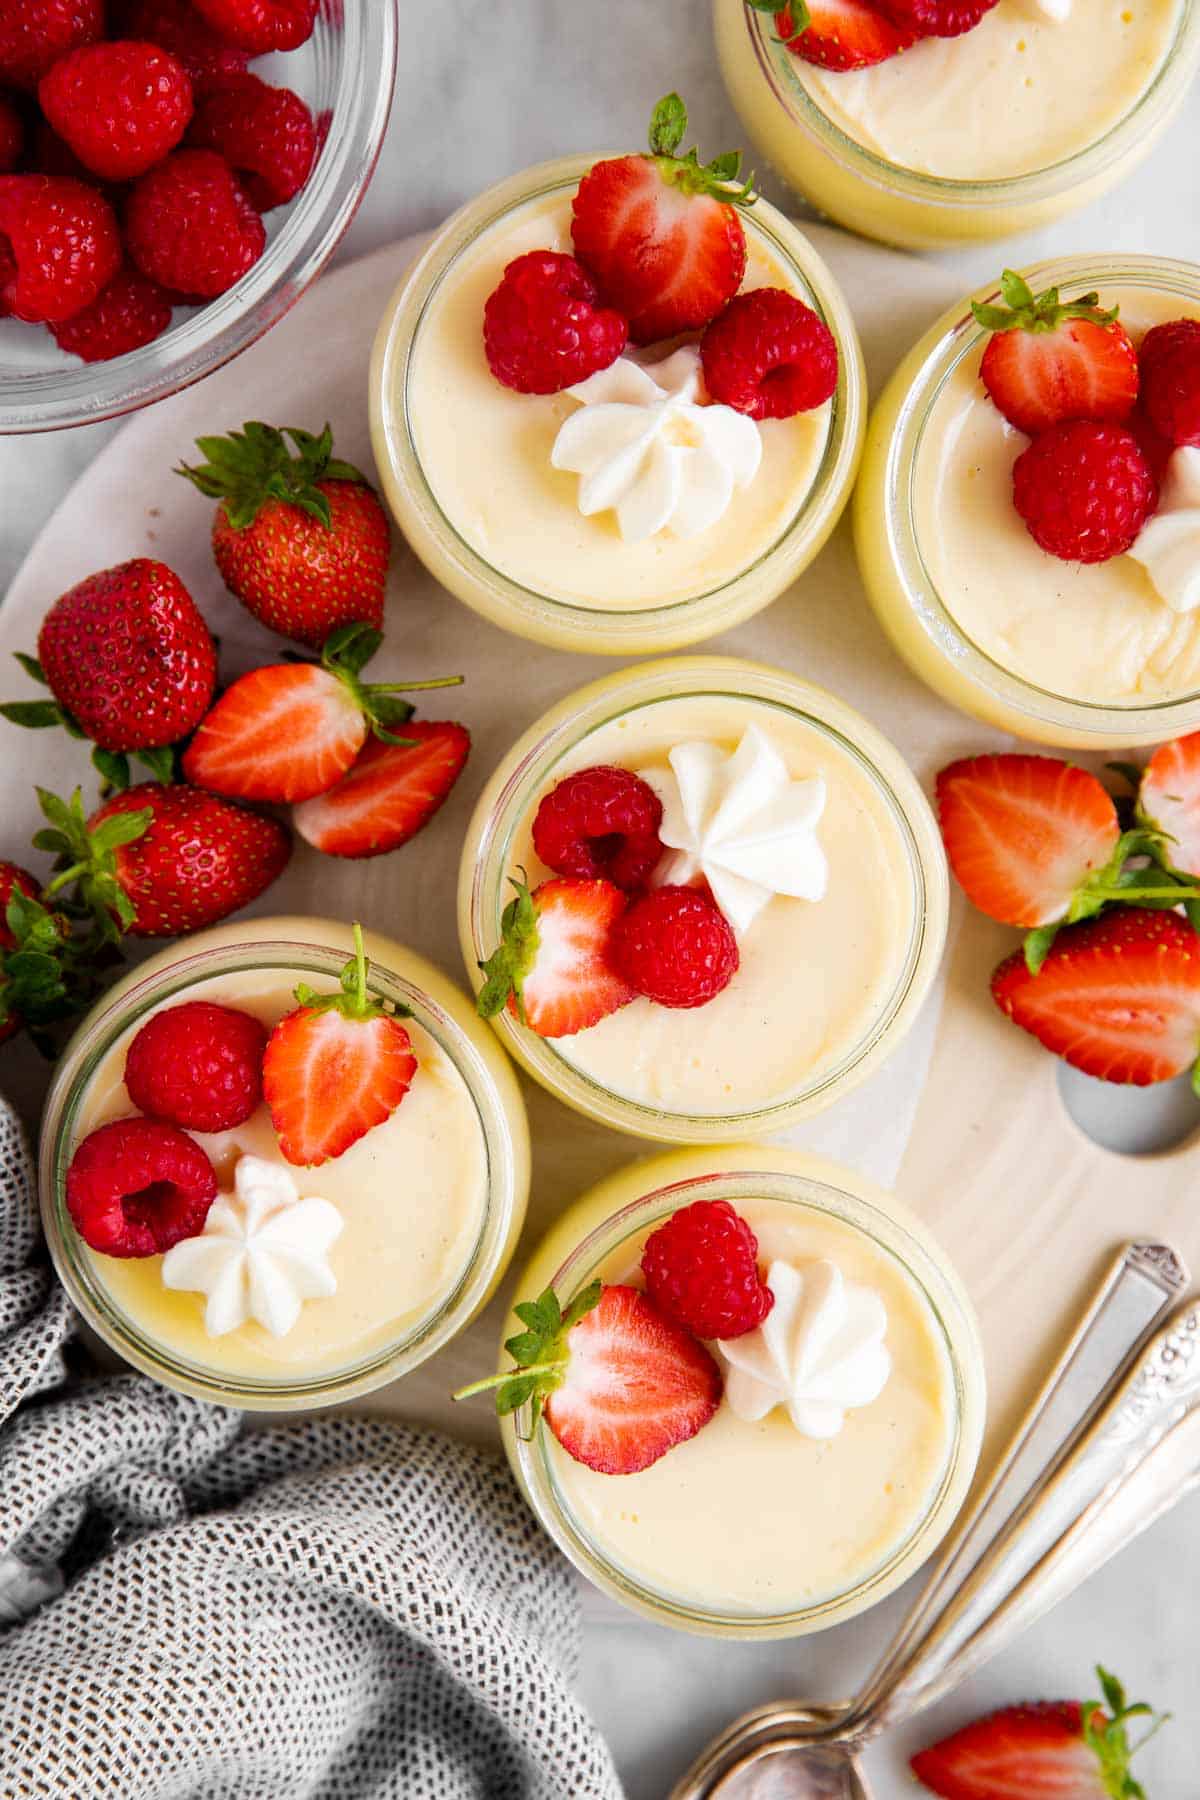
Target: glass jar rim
[397, 450]
[958, 336]
[506, 803]
[110, 1020]
[51, 399]
[893, 1237]
[1165, 89]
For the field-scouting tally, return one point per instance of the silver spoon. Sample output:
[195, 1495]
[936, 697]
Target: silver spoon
[1112, 1441]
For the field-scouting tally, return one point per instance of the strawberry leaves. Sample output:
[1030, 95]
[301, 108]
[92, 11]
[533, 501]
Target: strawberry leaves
[246, 468]
[86, 858]
[346, 653]
[1107, 1735]
[352, 998]
[113, 766]
[1138, 873]
[1023, 310]
[719, 178]
[539, 1353]
[508, 965]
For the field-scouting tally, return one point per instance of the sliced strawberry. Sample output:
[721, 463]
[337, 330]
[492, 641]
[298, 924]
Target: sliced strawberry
[390, 792]
[1050, 360]
[1118, 997]
[288, 732]
[841, 34]
[1024, 834]
[336, 1067]
[553, 965]
[1169, 800]
[1056, 1750]
[661, 233]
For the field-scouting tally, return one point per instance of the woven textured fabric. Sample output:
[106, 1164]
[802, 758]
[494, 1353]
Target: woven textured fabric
[339, 1608]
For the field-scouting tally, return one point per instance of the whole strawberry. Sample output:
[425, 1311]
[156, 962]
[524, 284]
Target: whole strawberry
[128, 658]
[62, 245]
[299, 537]
[266, 135]
[120, 106]
[161, 859]
[190, 226]
[35, 33]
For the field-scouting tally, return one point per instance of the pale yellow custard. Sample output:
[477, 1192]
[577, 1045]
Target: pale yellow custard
[824, 987]
[467, 461]
[754, 1527]
[1059, 652]
[429, 1201]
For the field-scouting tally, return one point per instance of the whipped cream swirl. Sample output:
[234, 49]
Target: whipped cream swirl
[263, 1252]
[646, 447]
[1168, 545]
[819, 1352]
[739, 820]
[1057, 11]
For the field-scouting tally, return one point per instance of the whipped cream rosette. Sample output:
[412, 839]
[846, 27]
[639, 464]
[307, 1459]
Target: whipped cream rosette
[647, 446]
[263, 1252]
[743, 823]
[1168, 545]
[820, 1351]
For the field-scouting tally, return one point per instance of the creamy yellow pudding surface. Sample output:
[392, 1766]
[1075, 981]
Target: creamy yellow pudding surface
[814, 976]
[1098, 632]
[412, 1194]
[1019, 92]
[485, 449]
[757, 1517]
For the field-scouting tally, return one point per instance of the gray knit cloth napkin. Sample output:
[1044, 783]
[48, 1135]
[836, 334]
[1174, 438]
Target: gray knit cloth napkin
[338, 1609]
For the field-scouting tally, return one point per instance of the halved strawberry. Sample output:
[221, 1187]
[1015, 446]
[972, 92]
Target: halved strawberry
[389, 793]
[838, 34]
[619, 1383]
[336, 1067]
[289, 731]
[1050, 360]
[1025, 835]
[552, 967]
[1055, 1750]
[1169, 800]
[661, 233]
[1118, 997]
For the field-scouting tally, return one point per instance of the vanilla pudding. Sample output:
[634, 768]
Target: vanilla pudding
[502, 527]
[1056, 651]
[1026, 116]
[424, 1208]
[824, 988]
[756, 1526]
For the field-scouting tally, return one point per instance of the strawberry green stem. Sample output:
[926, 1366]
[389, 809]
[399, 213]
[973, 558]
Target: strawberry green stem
[64, 879]
[494, 1381]
[360, 971]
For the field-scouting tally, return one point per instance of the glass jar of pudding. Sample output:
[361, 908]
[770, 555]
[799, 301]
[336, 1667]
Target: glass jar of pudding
[431, 1200]
[824, 990]
[753, 1528]
[1004, 129]
[1082, 656]
[465, 461]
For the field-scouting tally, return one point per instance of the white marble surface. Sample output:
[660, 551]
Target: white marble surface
[527, 80]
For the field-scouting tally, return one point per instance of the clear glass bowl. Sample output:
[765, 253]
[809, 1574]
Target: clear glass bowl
[316, 951]
[346, 70]
[621, 1211]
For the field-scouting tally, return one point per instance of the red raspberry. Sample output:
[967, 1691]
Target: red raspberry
[266, 134]
[1170, 365]
[191, 40]
[261, 25]
[137, 1186]
[769, 356]
[120, 107]
[600, 822]
[189, 226]
[676, 946]
[12, 136]
[197, 1065]
[1084, 490]
[1153, 445]
[35, 33]
[935, 18]
[544, 328]
[132, 311]
[701, 1269]
[12, 877]
[59, 245]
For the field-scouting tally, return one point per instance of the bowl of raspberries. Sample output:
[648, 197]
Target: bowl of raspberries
[173, 174]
